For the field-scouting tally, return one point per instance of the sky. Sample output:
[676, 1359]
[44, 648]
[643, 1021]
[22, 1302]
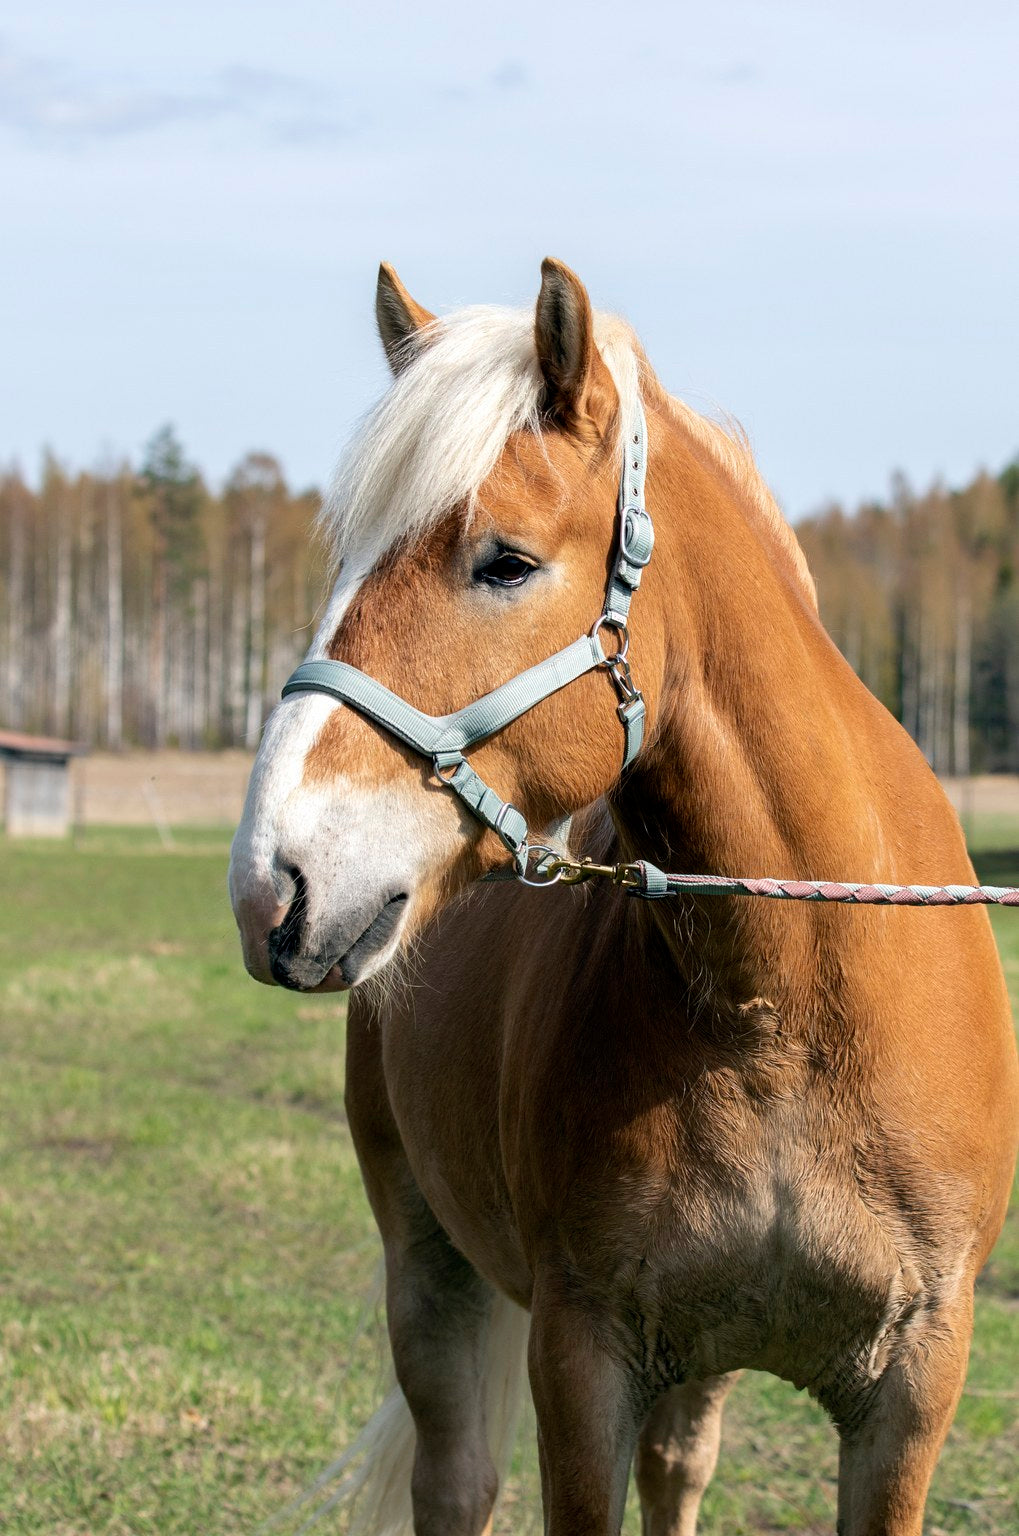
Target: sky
[809, 211]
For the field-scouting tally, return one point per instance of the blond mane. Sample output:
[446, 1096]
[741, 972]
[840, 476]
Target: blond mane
[438, 433]
[729, 448]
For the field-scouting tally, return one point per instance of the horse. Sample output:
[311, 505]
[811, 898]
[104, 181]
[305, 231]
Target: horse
[640, 1145]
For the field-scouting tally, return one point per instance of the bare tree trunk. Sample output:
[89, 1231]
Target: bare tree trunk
[60, 623]
[216, 645]
[172, 692]
[86, 646]
[17, 617]
[962, 683]
[198, 727]
[137, 656]
[157, 654]
[941, 758]
[256, 634]
[928, 689]
[114, 618]
[236, 665]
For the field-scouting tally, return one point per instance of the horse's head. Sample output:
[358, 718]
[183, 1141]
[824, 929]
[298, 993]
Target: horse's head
[475, 520]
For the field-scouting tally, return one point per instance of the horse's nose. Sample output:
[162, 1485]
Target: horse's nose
[305, 953]
[262, 900]
[288, 965]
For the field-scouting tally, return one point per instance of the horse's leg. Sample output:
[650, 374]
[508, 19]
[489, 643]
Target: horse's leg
[887, 1458]
[438, 1310]
[677, 1452]
[587, 1399]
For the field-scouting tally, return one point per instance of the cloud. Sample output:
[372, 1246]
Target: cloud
[292, 108]
[51, 104]
[738, 74]
[510, 76]
[47, 104]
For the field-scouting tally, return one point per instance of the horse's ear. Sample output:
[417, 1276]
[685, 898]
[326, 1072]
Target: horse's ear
[399, 317]
[578, 389]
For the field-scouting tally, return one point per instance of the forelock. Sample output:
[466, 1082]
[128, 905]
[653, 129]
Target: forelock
[438, 433]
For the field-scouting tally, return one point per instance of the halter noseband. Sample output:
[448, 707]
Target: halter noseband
[445, 738]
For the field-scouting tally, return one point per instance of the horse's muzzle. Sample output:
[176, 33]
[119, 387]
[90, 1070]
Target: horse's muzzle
[308, 961]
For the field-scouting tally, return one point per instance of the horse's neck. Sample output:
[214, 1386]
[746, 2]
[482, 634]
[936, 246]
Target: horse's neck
[756, 763]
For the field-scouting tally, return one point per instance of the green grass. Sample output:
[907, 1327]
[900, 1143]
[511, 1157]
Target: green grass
[185, 1248]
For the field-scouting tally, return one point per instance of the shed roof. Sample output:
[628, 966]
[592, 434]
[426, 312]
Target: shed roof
[18, 744]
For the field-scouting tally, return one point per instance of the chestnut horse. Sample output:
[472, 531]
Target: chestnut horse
[684, 1136]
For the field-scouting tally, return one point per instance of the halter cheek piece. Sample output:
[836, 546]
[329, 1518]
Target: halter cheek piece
[445, 738]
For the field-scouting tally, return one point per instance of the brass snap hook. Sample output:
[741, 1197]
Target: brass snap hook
[572, 873]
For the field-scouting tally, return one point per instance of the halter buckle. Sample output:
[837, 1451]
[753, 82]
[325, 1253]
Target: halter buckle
[636, 536]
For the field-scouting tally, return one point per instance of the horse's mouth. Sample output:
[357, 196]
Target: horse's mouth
[321, 969]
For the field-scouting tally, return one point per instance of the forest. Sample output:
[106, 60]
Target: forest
[138, 608]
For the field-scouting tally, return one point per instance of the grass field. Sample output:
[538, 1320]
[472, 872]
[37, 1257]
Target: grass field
[185, 1248]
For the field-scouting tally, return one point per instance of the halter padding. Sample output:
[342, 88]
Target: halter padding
[432, 734]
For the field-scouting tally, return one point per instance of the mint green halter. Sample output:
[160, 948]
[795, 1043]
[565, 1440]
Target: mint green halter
[445, 738]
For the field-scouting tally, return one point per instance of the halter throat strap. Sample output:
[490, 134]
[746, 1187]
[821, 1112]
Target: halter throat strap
[445, 738]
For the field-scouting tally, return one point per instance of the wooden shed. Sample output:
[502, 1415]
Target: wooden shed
[37, 784]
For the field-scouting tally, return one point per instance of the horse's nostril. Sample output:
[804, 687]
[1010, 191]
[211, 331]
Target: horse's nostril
[287, 880]
[285, 939]
[300, 884]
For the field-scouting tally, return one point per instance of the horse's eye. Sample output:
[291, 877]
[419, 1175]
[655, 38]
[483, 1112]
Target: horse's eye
[505, 570]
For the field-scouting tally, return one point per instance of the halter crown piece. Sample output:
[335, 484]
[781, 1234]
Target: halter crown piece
[445, 738]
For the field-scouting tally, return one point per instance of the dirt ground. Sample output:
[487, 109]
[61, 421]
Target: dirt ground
[207, 789]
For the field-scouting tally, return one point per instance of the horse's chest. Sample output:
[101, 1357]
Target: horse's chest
[774, 1263]
[728, 1223]
[727, 1226]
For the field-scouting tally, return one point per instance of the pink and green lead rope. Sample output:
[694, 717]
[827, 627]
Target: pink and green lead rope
[649, 881]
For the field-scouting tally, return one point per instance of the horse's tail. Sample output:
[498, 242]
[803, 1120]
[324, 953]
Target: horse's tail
[370, 1483]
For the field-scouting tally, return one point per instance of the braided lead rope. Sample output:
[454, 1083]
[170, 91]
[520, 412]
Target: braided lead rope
[646, 880]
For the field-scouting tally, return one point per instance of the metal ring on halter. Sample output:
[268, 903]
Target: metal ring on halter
[604, 621]
[552, 879]
[442, 777]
